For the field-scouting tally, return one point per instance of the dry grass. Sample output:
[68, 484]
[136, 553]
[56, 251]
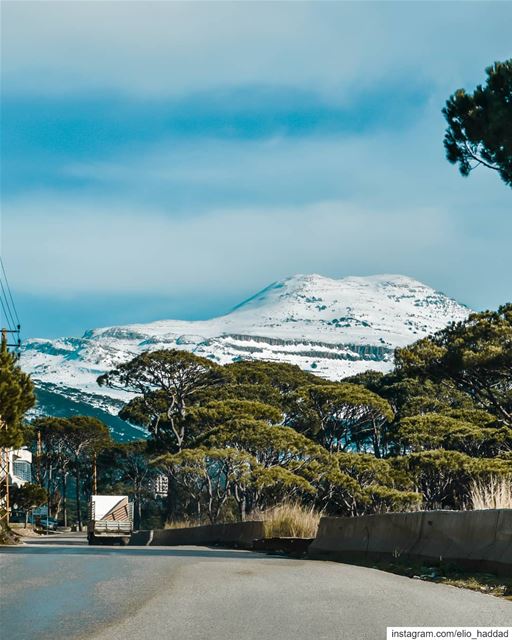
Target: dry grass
[185, 523]
[291, 520]
[493, 493]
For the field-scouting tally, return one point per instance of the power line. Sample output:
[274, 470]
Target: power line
[10, 312]
[9, 325]
[6, 307]
[9, 290]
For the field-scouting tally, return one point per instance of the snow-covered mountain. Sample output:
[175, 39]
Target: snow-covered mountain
[334, 328]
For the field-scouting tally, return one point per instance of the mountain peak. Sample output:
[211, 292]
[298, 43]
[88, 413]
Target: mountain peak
[314, 287]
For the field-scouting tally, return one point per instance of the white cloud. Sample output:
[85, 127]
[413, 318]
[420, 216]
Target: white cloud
[176, 47]
[75, 248]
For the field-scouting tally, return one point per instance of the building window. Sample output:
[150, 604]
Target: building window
[22, 470]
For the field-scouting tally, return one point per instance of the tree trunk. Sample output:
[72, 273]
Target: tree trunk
[137, 510]
[94, 475]
[242, 509]
[49, 502]
[64, 498]
[171, 503]
[78, 505]
[376, 440]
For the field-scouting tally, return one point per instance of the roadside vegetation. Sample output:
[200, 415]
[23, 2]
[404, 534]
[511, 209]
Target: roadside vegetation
[493, 493]
[291, 520]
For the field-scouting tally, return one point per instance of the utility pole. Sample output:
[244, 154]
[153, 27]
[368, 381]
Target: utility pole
[39, 454]
[94, 474]
[4, 479]
[13, 328]
[16, 345]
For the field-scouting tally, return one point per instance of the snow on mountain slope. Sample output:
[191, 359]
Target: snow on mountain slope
[334, 328]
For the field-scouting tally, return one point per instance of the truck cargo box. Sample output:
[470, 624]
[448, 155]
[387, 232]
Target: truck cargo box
[110, 520]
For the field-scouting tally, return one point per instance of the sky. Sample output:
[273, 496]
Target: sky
[169, 159]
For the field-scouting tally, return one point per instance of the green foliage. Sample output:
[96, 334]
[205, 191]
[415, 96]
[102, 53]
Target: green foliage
[480, 124]
[212, 475]
[16, 398]
[126, 469]
[68, 446]
[475, 356]
[411, 396]
[220, 412]
[444, 477]
[436, 431]
[270, 445]
[356, 484]
[165, 381]
[341, 416]
[278, 375]
[263, 393]
[28, 496]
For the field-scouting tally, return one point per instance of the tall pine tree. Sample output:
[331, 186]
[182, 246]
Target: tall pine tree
[16, 398]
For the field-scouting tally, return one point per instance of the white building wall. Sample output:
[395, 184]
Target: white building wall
[20, 466]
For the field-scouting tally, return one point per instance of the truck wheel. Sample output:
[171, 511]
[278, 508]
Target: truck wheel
[124, 541]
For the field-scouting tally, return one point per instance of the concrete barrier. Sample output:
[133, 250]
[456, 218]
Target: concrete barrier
[480, 540]
[237, 534]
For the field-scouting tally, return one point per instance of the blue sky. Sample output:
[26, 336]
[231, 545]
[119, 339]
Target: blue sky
[170, 159]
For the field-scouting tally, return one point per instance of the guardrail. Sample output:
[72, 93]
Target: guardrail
[480, 540]
[237, 534]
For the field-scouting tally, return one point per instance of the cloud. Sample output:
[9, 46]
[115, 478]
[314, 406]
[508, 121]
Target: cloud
[172, 48]
[78, 249]
[222, 218]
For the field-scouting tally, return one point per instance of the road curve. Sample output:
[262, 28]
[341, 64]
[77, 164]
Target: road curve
[72, 591]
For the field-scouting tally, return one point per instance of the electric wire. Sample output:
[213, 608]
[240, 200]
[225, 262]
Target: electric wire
[9, 291]
[9, 309]
[6, 306]
[9, 326]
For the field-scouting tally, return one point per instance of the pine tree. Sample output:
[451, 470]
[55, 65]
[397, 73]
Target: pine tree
[16, 398]
[480, 124]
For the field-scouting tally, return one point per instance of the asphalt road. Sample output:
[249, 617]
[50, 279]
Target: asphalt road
[60, 588]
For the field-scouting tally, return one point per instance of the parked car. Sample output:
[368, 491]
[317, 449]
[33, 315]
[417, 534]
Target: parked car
[42, 522]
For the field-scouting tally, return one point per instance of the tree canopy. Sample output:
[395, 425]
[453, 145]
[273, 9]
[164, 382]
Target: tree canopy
[480, 124]
[16, 398]
[474, 355]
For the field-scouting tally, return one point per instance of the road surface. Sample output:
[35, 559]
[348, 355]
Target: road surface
[60, 588]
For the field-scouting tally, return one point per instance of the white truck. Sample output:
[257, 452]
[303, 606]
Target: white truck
[110, 520]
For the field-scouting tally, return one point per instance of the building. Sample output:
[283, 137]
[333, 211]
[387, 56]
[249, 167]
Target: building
[20, 466]
[160, 485]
